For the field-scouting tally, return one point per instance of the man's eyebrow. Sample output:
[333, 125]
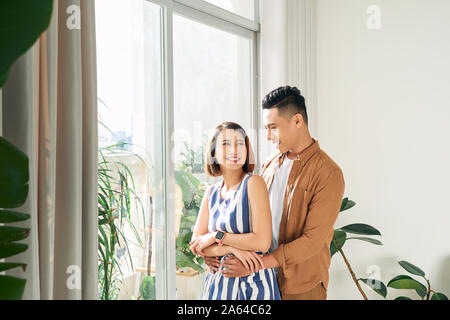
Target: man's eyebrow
[269, 125]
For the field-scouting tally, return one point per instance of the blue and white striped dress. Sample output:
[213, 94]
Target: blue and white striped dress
[233, 216]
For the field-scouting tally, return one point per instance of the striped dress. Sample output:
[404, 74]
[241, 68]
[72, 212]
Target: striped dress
[233, 216]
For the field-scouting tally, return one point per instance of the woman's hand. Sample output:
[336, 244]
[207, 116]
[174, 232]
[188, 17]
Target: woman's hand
[251, 260]
[198, 245]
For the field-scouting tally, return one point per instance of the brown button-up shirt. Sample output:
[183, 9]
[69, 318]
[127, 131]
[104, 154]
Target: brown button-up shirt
[312, 201]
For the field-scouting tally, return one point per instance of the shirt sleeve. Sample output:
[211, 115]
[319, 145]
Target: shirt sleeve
[323, 212]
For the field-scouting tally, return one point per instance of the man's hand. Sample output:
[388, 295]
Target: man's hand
[235, 268]
[213, 263]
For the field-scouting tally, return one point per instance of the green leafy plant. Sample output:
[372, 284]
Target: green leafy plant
[194, 159]
[406, 282]
[116, 199]
[14, 176]
[340, 237]
[148, 285]
[192, 198]
[22, 22]
[192, 194]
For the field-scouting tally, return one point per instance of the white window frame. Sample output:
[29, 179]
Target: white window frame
[209, 14]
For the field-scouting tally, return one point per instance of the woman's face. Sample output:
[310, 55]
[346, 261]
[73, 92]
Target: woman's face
[231, 152]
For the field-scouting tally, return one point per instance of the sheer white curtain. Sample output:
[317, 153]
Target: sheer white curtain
[50, 112]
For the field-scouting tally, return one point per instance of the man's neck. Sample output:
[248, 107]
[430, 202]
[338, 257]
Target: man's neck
[295, 152]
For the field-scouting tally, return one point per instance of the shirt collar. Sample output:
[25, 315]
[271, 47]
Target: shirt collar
[304, 156]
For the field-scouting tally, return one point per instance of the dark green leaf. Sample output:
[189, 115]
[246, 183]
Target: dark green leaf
[374, 241]
[438, 296]
[6, 266]
[402, 298]
[343, 204]
[422, 292]
[22, 22]
[7, 216]
[11, 249]
[412, 268]
[346, 204]
[337, 242]
[11, 288]
[360, 228]
[376, 286]
[10, 234]
[406, 282]
[13, 168]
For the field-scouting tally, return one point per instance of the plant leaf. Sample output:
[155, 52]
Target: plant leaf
[11, 288]
[376, 286]
[346, 204]
[402, 298]
[438, 296]
[10, 234]
[23, 21]
[7, 216]
[412, 268]
[374, 241]
[14, 174]
[7, 265]
[406, 282]
[11, 249]
[360, 228]
[338, 241]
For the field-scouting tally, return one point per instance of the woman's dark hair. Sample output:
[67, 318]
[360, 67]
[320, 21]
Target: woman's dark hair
[212, 167]
[289, 102]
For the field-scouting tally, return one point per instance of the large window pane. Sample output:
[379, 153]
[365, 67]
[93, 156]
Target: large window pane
[245, 8]
[212, 84]
[129, 92]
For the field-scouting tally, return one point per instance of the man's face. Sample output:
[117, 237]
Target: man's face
[279, 129]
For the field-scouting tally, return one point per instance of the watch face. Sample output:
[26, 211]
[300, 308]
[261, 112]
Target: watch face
[219, 235]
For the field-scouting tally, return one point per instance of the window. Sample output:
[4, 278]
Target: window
[212, 84]
[168, 73]
[245, 8]
[129, 68]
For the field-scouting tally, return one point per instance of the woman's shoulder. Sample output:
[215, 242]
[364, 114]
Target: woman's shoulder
[256, 182]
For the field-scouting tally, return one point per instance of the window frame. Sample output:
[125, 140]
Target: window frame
[211, 15]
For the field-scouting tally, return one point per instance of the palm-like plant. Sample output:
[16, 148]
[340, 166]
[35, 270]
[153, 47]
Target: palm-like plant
[117, 197]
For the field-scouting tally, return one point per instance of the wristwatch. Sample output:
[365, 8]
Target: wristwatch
[219, 238]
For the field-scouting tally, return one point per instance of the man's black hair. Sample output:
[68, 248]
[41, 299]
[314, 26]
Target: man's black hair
[289, 102]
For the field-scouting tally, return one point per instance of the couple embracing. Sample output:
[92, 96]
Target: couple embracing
[268, 237]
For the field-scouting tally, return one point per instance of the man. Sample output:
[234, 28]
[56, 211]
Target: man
[305, 189]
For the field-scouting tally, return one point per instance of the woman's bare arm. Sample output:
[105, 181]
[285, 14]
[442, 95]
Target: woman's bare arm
[260, 238]
[201, 225]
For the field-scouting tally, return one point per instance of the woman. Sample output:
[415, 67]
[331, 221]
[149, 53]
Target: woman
[235, 219]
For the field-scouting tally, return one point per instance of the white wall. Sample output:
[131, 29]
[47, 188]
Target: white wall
[383, 115]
